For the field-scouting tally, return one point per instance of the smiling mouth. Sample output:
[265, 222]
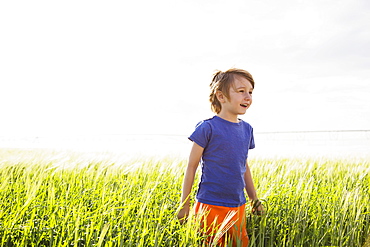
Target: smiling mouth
[244, 105]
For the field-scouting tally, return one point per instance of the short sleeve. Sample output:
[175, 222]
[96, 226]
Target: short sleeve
[251, 143]
[201, 134]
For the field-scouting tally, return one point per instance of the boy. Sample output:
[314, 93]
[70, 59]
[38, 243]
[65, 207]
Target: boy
[221, 144]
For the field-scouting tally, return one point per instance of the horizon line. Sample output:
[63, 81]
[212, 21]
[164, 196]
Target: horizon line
[158, 134]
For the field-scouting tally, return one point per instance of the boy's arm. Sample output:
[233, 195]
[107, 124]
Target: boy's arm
[249, 185]
[257, 207]
[194, 159]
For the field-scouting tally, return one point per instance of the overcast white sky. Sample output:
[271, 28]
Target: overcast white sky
[118, 67]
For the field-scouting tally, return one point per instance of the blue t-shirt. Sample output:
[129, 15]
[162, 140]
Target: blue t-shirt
[226, 146]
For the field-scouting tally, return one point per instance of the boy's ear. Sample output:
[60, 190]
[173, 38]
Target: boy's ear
[220, 96]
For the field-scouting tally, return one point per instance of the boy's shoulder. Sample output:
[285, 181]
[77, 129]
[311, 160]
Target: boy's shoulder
[202, 122]
[245, 123]
[208, 120]
[215, 122]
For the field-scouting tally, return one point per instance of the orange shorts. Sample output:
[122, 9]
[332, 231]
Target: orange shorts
[222, 225]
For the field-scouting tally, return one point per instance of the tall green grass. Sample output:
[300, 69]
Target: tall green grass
[71, 199]
[313, 202]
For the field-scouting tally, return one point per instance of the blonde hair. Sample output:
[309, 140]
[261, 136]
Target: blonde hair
[222, 81]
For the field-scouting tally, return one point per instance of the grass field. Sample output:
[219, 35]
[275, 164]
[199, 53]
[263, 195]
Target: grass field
[79, 199]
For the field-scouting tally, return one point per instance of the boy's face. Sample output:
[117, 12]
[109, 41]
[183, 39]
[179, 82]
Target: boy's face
[240, 98]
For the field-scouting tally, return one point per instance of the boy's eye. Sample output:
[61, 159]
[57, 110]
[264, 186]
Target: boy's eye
[250, 92]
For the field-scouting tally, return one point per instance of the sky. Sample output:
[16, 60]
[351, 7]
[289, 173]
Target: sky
[143, 67]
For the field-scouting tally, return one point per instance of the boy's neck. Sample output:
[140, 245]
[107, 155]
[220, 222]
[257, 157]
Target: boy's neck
[230, 118]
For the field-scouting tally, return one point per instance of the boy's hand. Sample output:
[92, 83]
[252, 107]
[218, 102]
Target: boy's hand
[257, 207]
[183, 213]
